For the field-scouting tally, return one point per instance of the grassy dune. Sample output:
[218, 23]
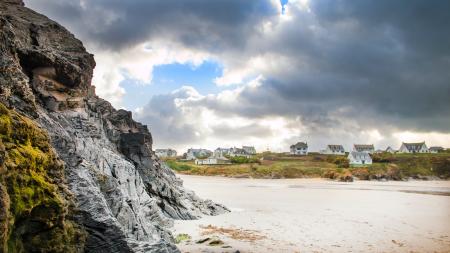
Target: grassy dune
[273, 165]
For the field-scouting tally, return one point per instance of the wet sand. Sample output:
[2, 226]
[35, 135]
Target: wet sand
[315, 215]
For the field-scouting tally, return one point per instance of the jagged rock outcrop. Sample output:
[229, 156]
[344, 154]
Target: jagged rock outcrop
[125, 198]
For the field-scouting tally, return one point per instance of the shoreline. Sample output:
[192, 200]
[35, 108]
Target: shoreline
[319, 215]
[420, 179]
[354, 184]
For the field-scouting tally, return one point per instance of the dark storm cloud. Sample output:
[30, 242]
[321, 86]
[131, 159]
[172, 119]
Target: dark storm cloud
[388, 61]
[383, 63]
[423, 24]
[116, 24]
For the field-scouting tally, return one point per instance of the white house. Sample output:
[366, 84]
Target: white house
[390, 150]
[300, 148]
[419, 147]
[212, 161]
[369, 148]
[249, 149]
[162, 153]
[239, 152]
[221, 152]
[194, 153]
[334, 150]
[436, 149]
[359, 158]
[246, 151]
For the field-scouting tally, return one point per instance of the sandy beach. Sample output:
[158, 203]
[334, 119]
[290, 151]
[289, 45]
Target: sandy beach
[315, 215]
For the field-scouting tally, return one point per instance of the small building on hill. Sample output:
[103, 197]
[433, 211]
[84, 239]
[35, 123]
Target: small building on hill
[300, 148]
[436, 149]
[221, 152]
[163, 153]
[369, 148]
[212, 161]
[390, 150]
[334, 150]
[194, 153]
[249, 149]
[239, 152]
[245, 151]
[412, 148]
[359, 158]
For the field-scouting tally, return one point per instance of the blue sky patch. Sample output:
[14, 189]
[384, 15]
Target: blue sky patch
[283, 3]
[167, 78]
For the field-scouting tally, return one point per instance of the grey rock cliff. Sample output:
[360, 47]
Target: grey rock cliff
[126, 198]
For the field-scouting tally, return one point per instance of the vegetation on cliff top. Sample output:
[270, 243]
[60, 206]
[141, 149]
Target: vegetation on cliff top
[33, 204]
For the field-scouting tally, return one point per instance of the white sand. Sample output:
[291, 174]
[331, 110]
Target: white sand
[313, 215]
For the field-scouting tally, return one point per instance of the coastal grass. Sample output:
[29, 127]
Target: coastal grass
[181, 238]
[233, 232]
[270, 167]
[275, 165]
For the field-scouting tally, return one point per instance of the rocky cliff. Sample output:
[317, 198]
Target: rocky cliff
[92, 182]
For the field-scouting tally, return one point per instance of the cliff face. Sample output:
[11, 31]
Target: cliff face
[113, 188]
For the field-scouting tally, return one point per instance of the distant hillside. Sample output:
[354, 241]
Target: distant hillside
[272, 165]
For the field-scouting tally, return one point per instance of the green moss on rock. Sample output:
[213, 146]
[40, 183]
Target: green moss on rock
[33, 207]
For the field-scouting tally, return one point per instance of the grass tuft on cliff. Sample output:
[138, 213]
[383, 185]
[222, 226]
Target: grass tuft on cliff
[33, 204]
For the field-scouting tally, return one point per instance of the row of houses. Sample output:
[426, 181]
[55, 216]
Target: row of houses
[200, 153]
[361, 152]
[246, 151]
[359, 155]
[220, 155]
[301, 148]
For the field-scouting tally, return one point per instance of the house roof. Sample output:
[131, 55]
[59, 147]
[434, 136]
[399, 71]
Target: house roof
[336, 148]
[300, 145]
[164, 150]
[249, 148]
[360, 155]
[223, 149]
[414, 146]
[363, 147]
[239, 151]
[436, 148]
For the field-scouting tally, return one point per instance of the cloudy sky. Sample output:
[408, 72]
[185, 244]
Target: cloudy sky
[269, 73]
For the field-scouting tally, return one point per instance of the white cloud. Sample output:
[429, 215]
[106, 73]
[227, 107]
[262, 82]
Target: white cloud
[206, 126]
[203, 120]
[323, 72]
[137, 64]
